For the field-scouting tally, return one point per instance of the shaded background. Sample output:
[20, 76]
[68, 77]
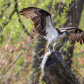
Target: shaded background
[21, 49]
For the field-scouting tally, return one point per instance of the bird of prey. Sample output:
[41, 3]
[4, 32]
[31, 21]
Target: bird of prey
[43, 26]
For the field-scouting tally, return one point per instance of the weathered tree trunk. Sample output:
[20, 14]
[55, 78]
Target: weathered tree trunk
[57, 70]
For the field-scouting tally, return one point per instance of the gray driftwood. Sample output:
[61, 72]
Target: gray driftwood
[57, 71]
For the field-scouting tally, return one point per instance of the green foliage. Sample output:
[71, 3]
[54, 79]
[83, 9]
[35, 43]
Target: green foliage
[61, 19]
[20, 61]
[68, 45]
[81, 25]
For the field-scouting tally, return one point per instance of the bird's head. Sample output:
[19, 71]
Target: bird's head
[66, 32]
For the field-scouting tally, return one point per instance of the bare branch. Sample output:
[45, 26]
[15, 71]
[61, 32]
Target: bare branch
[7, 5]
[6, 22]
[16, 9]
[6, 45]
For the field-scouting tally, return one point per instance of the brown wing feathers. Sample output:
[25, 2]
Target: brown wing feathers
[38, 16]
[79, 37]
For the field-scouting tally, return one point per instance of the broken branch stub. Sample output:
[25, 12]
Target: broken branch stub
[57, 71]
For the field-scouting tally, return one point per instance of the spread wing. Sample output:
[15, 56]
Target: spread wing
[79, 37]
[39, 18]
[74, 33]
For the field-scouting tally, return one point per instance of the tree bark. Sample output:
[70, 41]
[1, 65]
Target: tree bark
[57, 70]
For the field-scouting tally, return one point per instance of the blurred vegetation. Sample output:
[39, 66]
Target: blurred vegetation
[16, 45]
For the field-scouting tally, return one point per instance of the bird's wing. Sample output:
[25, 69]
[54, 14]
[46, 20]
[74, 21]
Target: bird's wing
[79, 37]
[74, 33]
[71, 29]
[38, 16]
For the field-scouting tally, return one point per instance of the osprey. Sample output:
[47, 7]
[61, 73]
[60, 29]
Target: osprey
[44, 27]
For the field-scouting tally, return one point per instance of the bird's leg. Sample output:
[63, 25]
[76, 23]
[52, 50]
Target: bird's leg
[45, 60]
[49, 45]
[54, 46]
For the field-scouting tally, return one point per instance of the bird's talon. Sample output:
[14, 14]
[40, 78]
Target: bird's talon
[49, 48]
